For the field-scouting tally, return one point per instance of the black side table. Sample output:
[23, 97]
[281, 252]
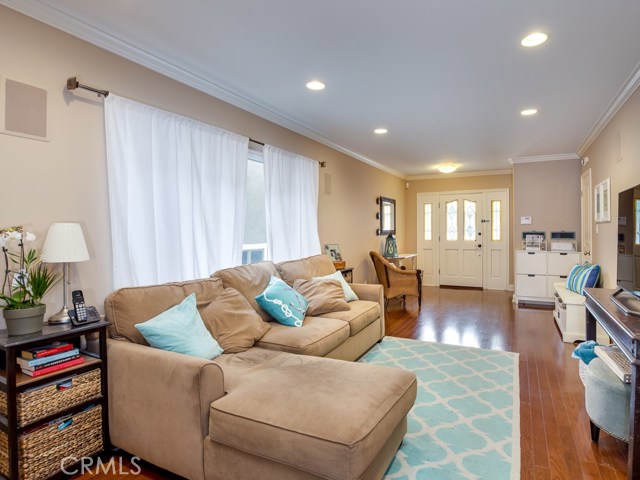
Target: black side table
[13, 381]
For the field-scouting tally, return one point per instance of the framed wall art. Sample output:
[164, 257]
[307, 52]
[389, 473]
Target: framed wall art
[602, 200]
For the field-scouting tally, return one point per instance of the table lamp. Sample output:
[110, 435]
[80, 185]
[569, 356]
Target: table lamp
[64, 244]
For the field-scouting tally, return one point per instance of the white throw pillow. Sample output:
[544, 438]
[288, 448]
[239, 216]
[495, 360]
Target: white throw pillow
[349, 294]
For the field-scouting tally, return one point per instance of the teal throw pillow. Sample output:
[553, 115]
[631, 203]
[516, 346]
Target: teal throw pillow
[181, 329]
[283, 303]
[349, 294]
[583, 276]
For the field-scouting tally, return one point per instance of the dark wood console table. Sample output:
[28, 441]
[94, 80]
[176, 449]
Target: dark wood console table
[624, 330]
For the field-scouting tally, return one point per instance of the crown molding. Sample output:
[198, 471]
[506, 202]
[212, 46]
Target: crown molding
[78, 28]
[629, 86]
[544, 158]
[478, 173]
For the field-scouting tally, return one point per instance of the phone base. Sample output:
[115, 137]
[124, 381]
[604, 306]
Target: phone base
[60, 318]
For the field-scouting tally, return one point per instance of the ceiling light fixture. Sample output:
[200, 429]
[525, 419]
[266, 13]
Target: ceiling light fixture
[380, 131]
[315, 85]
[528, 112]
[534, 39]
[447, 167]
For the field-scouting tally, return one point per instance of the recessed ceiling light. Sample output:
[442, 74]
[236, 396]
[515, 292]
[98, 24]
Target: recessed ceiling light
[380, 131]
[534, 39]
[447, 167]
[315, 85]
[528, 112]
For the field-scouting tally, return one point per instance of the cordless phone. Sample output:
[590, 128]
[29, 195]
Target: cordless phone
[81, 314]
[77, 298]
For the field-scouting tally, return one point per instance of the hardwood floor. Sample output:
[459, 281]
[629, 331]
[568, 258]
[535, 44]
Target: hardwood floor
[555, 438]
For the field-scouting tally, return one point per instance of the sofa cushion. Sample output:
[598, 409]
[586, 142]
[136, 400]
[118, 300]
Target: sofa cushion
[361, 314]
[305, 268]
[333, 428]
[250, 281]
[180, 329]
[127, 306]
[283, 303]
[323, 296]
[233, 322]
[317, 337]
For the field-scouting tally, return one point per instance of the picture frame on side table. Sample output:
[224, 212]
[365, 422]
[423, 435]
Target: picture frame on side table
[333, 250]
[602, 200]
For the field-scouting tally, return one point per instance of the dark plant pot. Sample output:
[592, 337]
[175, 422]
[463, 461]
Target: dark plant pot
[24, 320]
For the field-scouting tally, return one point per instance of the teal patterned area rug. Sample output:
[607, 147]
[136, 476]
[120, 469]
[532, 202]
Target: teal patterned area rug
[465, 423]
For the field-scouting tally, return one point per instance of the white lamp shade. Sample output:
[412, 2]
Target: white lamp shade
[64, 243]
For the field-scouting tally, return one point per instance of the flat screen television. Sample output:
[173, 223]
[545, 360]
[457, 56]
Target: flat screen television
[629, 240]
[628, 272]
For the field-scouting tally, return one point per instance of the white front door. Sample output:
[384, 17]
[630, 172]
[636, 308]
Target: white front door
[428, 230]
[461, 258]
[586, 214]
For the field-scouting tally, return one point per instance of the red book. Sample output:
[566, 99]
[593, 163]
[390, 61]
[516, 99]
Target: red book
[46, 350]
[54, 368]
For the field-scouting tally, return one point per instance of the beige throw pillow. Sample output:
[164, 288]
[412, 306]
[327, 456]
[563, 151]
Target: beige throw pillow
[233, 322]
[323, 295]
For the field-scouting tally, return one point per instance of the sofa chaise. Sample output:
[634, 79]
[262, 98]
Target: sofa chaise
[290, 407]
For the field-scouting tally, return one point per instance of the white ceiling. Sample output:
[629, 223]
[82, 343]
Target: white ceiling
[448, 78]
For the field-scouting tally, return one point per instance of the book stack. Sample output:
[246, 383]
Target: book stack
[48, 359]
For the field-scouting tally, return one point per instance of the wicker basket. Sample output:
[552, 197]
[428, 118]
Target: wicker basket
[42, 451]
[47, 400]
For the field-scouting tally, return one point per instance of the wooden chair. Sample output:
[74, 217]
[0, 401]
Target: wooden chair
[397, 282]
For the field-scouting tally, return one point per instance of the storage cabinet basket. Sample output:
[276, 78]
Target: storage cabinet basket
[55, 397]
[41, 451]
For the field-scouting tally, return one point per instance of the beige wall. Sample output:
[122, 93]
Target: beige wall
[549, 193]
[615, 154]
[65, 179]
[452, 184]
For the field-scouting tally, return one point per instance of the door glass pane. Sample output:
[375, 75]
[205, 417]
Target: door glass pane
[427, 222]
[496, 220]
[469, 221]
[452, 220]
[636, 205]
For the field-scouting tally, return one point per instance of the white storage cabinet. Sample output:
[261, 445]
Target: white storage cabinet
[537, 271]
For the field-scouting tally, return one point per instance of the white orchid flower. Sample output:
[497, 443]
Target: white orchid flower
[15, 235]
[29, 237]
[4, 239]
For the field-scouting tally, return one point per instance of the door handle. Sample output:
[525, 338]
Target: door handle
[479, 245]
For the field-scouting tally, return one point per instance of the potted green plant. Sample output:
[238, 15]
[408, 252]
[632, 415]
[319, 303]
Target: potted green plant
[25, 284]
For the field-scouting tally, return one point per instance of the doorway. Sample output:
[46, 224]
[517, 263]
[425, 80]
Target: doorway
[463, 238]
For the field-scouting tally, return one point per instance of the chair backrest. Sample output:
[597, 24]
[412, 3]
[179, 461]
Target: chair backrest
[380, 264]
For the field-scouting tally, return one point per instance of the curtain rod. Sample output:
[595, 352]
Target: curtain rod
[72, 84]
[322, 164]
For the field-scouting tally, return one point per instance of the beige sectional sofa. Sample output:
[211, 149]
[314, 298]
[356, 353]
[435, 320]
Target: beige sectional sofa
[290, 407]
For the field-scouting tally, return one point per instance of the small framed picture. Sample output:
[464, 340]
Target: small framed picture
[333, 250]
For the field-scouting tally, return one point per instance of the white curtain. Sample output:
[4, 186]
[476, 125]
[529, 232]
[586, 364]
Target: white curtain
[176, 194]
[291, 191]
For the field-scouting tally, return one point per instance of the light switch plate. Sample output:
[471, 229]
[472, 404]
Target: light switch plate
[525, 220]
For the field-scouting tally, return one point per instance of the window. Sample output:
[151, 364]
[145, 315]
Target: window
[452, 220]
[496, 220]
[427, 222]
[636, 210]
[254, 247]
[469, 221]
